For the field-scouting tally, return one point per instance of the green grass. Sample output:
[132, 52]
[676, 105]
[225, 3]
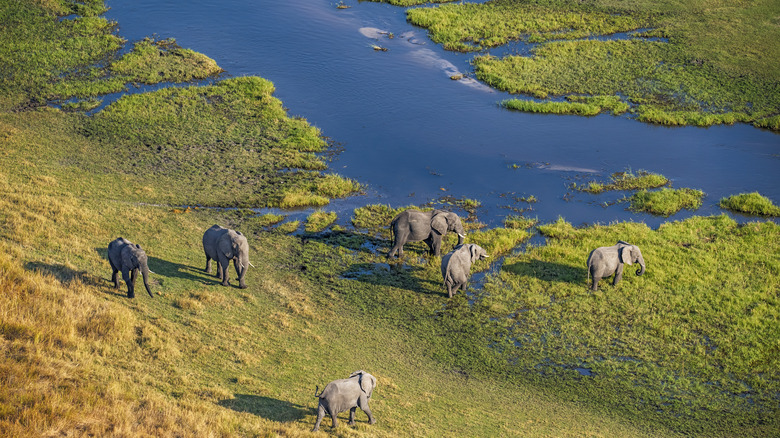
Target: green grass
[666, 201]
[718, 64]
[689, 349]
[519, 222]
[152, 62]
[470, 27]
[689, 343]
[318, 221]
[750, 203]
[625, 181]
[577, 105]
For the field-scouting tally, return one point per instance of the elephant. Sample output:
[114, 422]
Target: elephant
[223, 245]
[129, 258]
[340, 395]
[456, 266]
[608, 260]
[429, 226]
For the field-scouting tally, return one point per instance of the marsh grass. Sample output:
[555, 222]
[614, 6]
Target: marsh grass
[519, 222]
[152, 62]
[750, 203]
[666, 201]
[318, 221]
[626, 180]
[662, 340]
[577, 105]
[471, 27]
[715, 65]
[228, 144]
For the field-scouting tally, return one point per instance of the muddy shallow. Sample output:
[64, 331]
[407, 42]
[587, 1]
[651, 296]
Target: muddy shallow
[412, 134]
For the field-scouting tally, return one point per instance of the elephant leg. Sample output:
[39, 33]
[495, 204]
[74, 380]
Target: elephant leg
[224, 265]
[595, 284]
[335, 420]
[320, 416]
[449, 290]
[398, 248]
[367, 410]
[352, 416]
[435, 245]
[129, 282]
[208, 264]
[618, 275]
[115, 277]
[431, 245]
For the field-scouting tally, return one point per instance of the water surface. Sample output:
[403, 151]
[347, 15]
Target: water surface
[412, 134]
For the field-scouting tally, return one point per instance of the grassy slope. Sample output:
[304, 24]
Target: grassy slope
[199, 359]
[719, 64]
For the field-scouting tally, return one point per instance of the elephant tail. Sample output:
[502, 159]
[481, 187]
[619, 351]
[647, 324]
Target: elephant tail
[317, 388]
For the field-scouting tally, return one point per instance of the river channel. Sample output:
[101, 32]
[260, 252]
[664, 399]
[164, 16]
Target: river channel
[412, 134]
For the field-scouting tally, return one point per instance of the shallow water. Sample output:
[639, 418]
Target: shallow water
[412, 134]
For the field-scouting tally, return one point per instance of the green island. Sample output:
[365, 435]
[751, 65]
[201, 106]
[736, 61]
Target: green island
[750, 203]
[691, 348]
[681, 63]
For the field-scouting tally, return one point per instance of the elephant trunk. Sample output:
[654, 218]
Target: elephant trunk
[641, 269]
[243, 267]
[145, 273]
[461, 233]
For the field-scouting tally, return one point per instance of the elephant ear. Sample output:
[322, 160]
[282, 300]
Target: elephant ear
[439, 223]
[625, 255]
[360, 373]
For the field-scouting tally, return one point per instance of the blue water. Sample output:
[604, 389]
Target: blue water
[411, 134]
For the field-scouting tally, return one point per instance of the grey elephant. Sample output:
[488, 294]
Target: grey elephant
[128, 258]
[608, 260]
[428, 226]
[456, 266]
[340, 395]
[223, 245]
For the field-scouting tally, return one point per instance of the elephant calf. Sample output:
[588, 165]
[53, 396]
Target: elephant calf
[129, 258]
[223, 245]
[456, 266]
[608, 260]
[340, 395]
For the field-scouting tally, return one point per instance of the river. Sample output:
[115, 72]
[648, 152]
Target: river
[412, 134]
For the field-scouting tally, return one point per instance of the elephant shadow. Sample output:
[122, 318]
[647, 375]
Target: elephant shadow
[267, 407]
[163, 268]
[176, 270]
[393, 274]
[63, 273]
[547, 271]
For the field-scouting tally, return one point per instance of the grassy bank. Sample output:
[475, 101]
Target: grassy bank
[701, 64]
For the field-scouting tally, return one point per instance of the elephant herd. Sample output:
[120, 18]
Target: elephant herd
[219, 244]
[223, 245]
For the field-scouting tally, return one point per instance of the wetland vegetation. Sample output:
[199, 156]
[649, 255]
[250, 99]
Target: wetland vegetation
[690, 348]
[751, 203]
[682, 63]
